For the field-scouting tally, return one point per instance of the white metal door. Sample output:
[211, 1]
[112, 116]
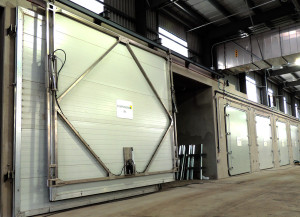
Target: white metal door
[283, 148]
[143, 132]
[111, 95]
[237, 141]
[264, 142]
[295, 142]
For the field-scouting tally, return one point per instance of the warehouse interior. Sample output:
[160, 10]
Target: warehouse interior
[128, 108]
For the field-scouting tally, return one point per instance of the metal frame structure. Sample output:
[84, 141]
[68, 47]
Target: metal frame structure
[54, 111]
[18, 113]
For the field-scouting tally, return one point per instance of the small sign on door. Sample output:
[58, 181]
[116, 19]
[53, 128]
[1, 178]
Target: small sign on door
[124, 109]
[239, 141]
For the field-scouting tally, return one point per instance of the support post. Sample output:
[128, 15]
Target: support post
[264, 90]
[281, 101]
[242, 81]
[293, 103]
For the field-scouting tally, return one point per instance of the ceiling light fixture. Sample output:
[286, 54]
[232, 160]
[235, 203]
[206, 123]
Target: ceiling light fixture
[297, 62]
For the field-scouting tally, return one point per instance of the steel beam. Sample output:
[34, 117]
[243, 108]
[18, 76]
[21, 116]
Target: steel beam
[223, 10]
[191, 12]
[283, 71]
[292, 83]
[232, 28]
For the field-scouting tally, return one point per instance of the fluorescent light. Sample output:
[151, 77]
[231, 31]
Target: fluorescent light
[297, 62]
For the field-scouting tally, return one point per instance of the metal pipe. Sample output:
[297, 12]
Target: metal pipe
[201, 162]
[118, 27]
[243, 11]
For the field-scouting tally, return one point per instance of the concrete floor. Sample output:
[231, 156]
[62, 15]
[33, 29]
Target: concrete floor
[266, 193]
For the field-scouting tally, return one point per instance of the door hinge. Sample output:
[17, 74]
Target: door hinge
[10, 175]
[12, 30]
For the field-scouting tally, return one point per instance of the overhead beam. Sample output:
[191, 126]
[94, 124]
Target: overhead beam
[257, 11]
[297, 93]
[223, 10]
[232, 28]
[183, 21]
[285, 70]
[189, 10]
[292, 83]
[158, 4]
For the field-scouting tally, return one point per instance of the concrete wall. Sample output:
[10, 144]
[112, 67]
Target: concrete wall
[195, 125]
[238, 100]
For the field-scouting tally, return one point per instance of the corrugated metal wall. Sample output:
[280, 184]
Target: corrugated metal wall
[152, 21]
[172, 26]
[194, 45]
[125, 6]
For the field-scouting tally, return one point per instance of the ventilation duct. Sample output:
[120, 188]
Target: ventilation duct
[266, 50]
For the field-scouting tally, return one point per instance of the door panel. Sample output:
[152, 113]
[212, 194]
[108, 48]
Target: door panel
[237, 141]
[264, 142]
[283, 148]
[295, 142]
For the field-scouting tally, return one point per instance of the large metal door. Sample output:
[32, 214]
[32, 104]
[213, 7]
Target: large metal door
[264, 142]
[295, 142]
[283, 148]
[111, 95]
[123, 101]
[237, 141]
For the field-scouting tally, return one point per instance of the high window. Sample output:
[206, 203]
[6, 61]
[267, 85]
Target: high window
[271, 98]
[91, 5]
[285, 106]
[173, 42]
[251, 89]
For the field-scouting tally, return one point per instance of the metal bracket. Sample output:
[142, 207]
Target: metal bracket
[124, 40]
[12, 30]
[230, 152]
[10, 175]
